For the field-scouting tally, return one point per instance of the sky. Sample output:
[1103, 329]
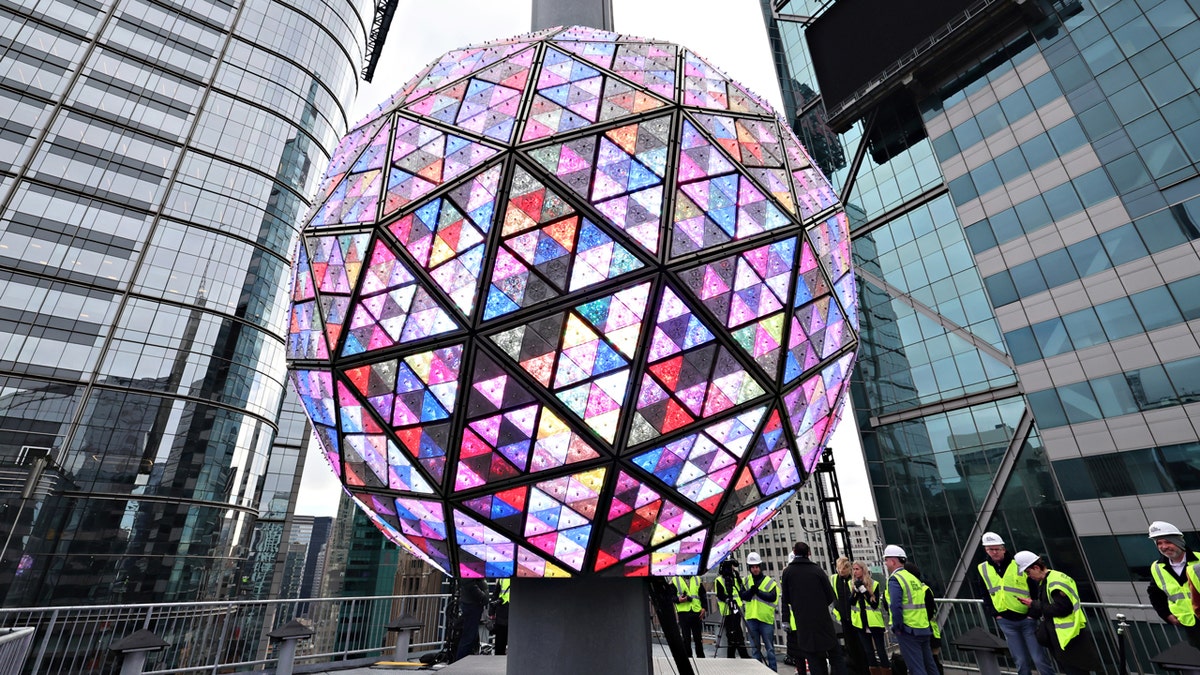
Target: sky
[729, 33]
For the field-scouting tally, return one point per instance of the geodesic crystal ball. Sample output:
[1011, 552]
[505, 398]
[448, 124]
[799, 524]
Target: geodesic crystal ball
[572, 303]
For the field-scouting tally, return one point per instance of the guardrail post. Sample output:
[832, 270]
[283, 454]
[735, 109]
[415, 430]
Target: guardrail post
[289, 635]
[404, 626]
[134, 648]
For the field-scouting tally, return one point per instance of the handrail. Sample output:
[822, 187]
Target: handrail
[14, 649]
[215, 603]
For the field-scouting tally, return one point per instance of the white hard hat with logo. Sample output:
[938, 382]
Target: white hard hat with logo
[991, 539]
[1024, 559]
[894, 551]
[753, 559]
[1163, 529]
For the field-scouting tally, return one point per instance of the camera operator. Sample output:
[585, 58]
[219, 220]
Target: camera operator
[728, 588]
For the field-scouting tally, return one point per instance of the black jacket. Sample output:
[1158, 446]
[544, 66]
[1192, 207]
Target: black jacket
[807, 594]
[1081, 651]
[473, 592]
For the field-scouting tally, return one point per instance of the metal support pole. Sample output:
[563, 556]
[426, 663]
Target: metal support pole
[404, 626]
[133, 663]
[287, 657]
[592, 13]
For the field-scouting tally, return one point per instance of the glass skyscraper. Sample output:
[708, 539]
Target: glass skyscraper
[1025, 230]
[154, 159]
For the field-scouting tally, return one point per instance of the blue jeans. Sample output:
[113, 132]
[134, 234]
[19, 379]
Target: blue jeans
[917, 654]
[764, 632]
[1024, 647]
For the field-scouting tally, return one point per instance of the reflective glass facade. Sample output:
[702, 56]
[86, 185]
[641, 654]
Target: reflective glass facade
[154, 160]
[1025, 246]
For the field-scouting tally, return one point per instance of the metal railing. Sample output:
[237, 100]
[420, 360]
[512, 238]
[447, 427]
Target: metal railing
[14, 649]
[230, 637]
[226, 637]
[1143, 634]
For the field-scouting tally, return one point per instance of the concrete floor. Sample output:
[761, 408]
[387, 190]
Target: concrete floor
[495, 665]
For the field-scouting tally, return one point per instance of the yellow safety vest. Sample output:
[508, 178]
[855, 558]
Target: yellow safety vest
[757, 609]
[1007, 590]
[874, 615]
[1193, 571]
[505, 588]
[833, 579]
[1066, 627]
[719, 589]
[912, 600]
[689, 586]
[1179, 599]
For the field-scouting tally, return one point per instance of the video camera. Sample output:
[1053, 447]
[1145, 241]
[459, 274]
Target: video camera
[733, 584]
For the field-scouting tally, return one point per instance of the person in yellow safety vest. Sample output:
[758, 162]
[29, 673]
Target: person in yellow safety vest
[1005, 587]
[728, 588]
[759, 595]
[866, 618]
[1169, 589]
[1194, 584]
[1057, 607]
[690, 601]
[841, 581]
[499, 614]
[909, 617]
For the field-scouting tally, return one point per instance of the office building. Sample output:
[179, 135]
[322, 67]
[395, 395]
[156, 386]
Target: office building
[154, 160]
[867, 543]
[1022, 181]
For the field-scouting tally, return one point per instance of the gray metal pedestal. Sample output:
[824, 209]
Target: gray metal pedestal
[582, 626]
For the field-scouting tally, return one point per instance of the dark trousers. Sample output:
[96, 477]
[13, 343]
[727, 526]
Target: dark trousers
[691, 627]
[501, 633]
[468, 642]
[1193, 634]
[735, 637]
[817, 661]
[874, 643]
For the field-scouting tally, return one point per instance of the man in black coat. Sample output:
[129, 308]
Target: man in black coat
[806, 596]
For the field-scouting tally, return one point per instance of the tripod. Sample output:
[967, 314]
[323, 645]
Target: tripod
[453, 629]
[728, 588]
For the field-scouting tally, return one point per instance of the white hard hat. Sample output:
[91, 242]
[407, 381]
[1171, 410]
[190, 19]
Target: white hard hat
[1024, 559]
[1163, 529]
[753, 559]
[894, 551]
[991, 539]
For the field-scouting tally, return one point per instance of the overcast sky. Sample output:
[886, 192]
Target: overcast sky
[728, 33]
